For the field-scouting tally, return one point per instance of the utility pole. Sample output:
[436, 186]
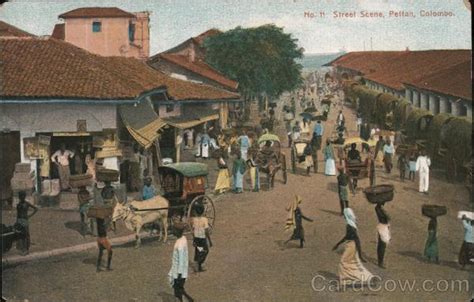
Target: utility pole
[371, 44]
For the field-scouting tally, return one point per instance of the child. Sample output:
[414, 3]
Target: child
[402, 164]
[149, 190]
[83, 197]
[200, 228]
[412, 166]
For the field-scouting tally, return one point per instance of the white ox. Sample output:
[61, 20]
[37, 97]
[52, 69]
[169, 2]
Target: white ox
[134, 220]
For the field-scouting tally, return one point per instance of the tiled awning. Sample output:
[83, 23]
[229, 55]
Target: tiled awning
[142, 122]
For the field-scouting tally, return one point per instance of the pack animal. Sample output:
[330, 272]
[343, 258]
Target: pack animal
[138, 213]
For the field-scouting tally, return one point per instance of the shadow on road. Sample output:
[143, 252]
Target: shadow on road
[332, 186]
[292, 244]
[331, 212]
[167, 297]
[330, 276]
[74, 225]
[418, 256]
[91, 261]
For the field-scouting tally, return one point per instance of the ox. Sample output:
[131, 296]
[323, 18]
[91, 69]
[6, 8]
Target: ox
[134, 220]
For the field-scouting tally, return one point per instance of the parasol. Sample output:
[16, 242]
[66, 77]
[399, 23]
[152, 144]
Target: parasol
[307, 115]
[311, 110]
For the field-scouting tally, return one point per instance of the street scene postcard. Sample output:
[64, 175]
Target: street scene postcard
[236, 150]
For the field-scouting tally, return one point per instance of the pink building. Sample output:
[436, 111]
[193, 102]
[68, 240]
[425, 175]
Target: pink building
[106, 31]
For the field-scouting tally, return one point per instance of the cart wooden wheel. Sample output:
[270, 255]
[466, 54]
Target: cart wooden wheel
[209, 209]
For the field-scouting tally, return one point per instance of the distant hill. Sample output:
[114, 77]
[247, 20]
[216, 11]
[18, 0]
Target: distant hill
[312, 62]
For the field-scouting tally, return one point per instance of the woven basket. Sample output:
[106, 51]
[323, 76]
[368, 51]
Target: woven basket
[81, 180]
[432, 211]
[379, 194]
[107, 175]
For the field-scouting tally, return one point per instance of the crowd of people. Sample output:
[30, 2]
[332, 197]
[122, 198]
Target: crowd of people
[249, 158]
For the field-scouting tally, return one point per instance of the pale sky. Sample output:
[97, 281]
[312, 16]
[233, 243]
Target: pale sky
[173, 21]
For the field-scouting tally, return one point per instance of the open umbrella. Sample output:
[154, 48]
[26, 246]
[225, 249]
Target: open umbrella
[307, 115]
[311, 110]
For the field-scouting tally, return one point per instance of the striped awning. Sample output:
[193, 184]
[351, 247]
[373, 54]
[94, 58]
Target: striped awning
[142, 122]
[184, 122]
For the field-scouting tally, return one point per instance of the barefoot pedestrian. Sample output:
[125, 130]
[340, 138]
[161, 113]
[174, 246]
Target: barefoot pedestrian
[179, 264]
[202, 239]
[294, 221]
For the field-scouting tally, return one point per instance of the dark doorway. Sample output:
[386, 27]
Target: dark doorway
[9, 156]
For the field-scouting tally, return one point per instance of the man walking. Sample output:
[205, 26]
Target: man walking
[61, 159]
[179, 265]
[423, 163]
[318, 134]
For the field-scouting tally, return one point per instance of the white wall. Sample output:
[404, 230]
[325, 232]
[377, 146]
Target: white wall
[32, 118]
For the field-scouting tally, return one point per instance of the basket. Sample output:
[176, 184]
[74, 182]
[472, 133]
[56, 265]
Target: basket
[107, 175]
[100, 212]
[379, 194]
[433, 211]
[80, 180]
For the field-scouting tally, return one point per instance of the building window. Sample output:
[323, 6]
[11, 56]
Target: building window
[96, 27]
[169, 108]
[131, 32]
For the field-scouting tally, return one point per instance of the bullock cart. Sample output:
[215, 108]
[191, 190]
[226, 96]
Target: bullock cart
[184, 191]
[270, 158]
[184, 186]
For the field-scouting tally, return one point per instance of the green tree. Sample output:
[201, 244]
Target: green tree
[261, 59]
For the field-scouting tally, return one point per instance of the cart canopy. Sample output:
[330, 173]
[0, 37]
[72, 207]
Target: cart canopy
[187, 169]
[268, 137]
[359, 141]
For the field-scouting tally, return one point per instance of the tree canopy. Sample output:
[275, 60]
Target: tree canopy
[261, 59]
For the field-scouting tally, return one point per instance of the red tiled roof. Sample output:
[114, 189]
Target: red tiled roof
[58, 32]
[455, 81]
[209, 33]
[97, 12]
[393, 68]
[200, 68]
[50, 68]
[8, 30]
[197, 40]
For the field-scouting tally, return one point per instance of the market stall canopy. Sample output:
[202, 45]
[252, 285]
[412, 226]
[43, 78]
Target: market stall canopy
[187, 169]
[194, 118]
[142, 122]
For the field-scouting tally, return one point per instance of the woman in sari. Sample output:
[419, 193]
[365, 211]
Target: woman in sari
[351, 269]
[223, 178]
[238, 170]
[330, 168]
[254, 173]
[431, 245]
[379, 152]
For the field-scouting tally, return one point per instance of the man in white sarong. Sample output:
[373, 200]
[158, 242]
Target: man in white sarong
[423, 163]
